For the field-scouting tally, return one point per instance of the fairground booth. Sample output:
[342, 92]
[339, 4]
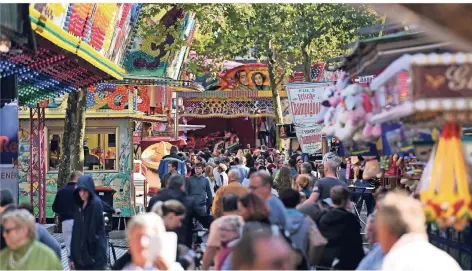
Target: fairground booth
[130, 83]
[414, 115]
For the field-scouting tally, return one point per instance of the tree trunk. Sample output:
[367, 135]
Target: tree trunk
[67, 146]
[79, 135]
[306, 63]
[277, 105]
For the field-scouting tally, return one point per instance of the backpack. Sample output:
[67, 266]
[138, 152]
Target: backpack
[280, 231]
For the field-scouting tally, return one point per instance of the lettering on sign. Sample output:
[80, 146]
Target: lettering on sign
[310, 139]
[459, 77]
[442, 81]
[8, 175]
[305, 103]
[8, 146]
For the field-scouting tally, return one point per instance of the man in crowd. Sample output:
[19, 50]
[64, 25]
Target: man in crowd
[230, 207]
[88, 244]
[173, 154]
[199, 188]
[401, 232]
[173, 165]
[322, 187]
[175, 190]
[260, 183]
[64, 207]
[243, 170]
[344, 249]
[234, 187]
[261, 250]
[303, 231]
[292, 163]
[374, 259]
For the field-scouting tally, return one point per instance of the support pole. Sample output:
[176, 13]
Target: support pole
[37, 163]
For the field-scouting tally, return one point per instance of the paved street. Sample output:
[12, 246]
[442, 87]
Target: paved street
[120, 245]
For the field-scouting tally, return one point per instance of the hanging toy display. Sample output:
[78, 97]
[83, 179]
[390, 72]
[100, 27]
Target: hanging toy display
[444, 187]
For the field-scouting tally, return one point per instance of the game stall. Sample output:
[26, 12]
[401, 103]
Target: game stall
[412, 115]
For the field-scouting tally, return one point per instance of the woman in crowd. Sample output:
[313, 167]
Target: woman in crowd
[283, 181]
[211, 178]
[23, 252]
[230, 233]
[254, 212]
[172, 213]
[222, 168]
[303, 182]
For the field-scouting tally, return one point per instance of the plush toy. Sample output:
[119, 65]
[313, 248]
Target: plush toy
[350, 114]
[370, 130]
[332, 99]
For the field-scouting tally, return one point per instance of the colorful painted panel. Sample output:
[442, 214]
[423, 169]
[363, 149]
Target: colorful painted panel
[148, 56]
[119, 181]
[55, 12]
[246, 77]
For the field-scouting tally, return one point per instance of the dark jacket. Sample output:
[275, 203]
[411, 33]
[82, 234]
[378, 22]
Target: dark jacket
[198, 187]
[62, 205]
[184, 232]
[88, 245]
[65, 207]
[343, 232]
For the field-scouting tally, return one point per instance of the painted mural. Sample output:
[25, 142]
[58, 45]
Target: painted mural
[120, 181]
[148, 56]
[246, 77]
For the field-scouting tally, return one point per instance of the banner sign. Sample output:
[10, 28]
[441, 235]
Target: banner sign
[9, 147]
[305, 102]
[310, 139]
[442, 81]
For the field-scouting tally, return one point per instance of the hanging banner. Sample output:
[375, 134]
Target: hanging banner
[9, 148]
[310, 139]
[305, 102]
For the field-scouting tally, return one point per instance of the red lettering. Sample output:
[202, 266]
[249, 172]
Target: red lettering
[7, 146]
[309, 108]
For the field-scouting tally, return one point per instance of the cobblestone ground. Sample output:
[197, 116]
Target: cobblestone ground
[120, 245]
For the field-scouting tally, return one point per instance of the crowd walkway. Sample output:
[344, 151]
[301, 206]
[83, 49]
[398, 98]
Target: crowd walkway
[121, 246]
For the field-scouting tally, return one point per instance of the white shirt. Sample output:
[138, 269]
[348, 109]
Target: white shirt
[225, 178]
[245, 182]
[217, 175]
[413, 252]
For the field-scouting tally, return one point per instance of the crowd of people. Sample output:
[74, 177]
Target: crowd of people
[264, 211]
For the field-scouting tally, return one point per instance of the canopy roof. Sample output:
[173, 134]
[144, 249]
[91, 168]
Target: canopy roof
[369, 56]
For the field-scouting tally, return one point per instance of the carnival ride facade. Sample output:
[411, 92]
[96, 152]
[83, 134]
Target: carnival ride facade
[82, 46]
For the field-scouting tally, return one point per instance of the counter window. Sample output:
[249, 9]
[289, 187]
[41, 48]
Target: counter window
[100, 149]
